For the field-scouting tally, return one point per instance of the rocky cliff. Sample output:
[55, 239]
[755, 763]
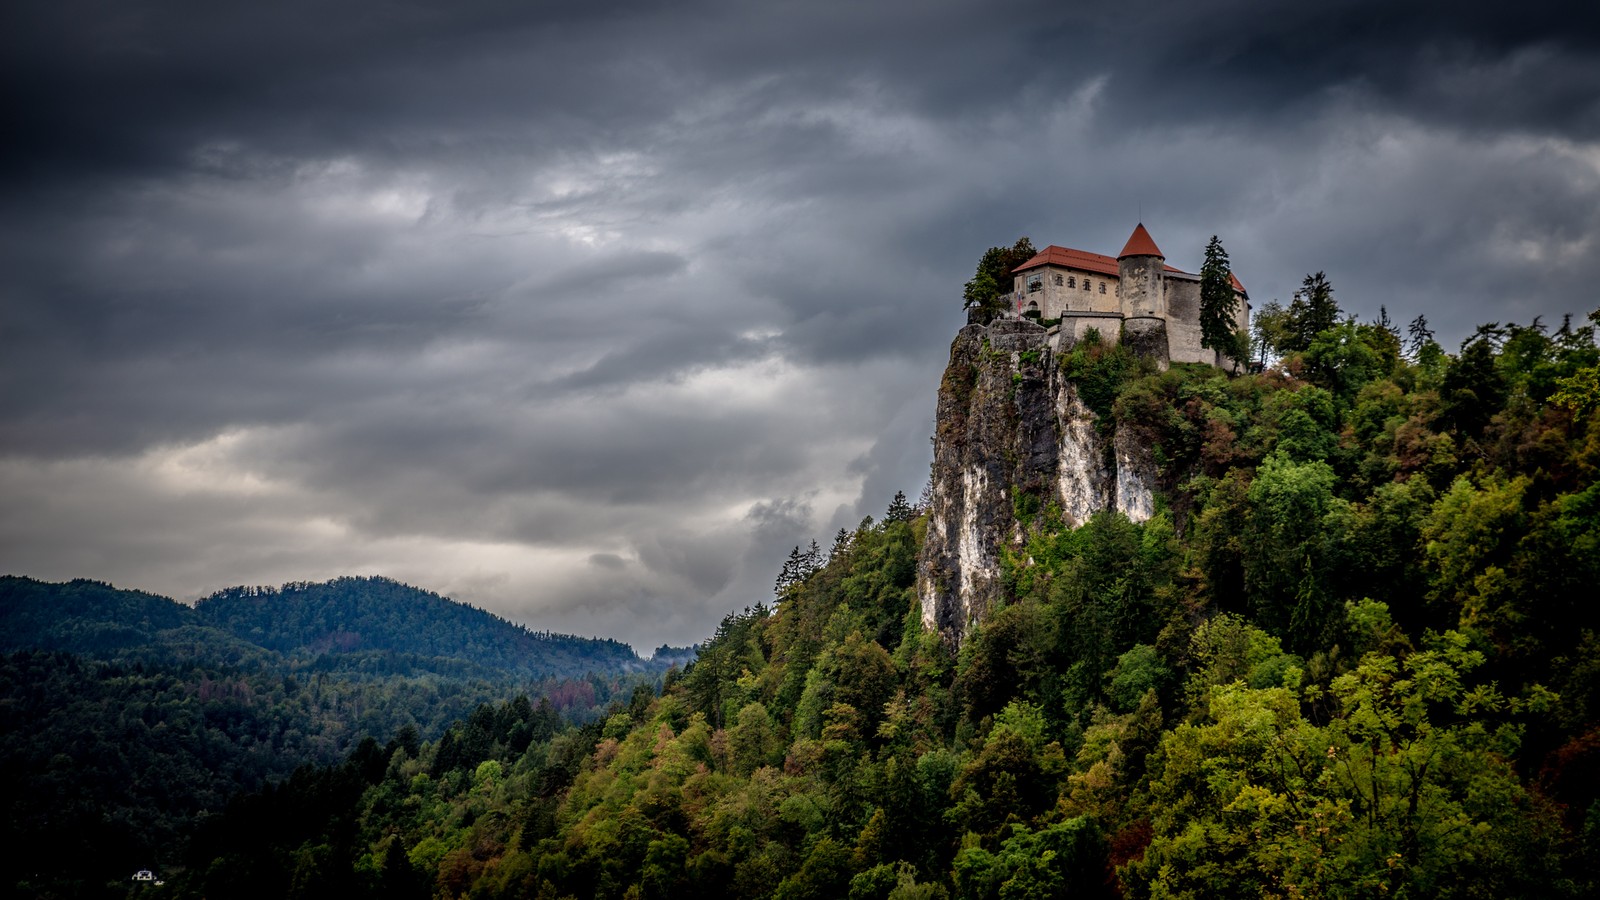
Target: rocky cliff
[1013, 439]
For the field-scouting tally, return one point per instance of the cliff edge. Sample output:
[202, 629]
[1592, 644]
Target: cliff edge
[1013, 439]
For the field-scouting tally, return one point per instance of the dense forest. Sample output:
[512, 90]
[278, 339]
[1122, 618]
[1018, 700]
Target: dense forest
[131, 720]
[1354, 653]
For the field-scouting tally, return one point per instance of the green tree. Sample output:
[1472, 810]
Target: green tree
[1065, 859]
[1218, 303]
[993, 277]
[899, 509]
[1270, 329]
[1580, 391]
[1473, 388]
[753, 741]
[1419, 337]
[1407, 791]
[1346, 357]
[1283, 550]
[1311, 312]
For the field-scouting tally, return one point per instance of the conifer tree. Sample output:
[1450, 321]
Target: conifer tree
[789, 574]
[1421, 336]
[1312, 312]
[1383, 321]
[841, 544]
[811, 562]
[1218, 302]
[899, 509]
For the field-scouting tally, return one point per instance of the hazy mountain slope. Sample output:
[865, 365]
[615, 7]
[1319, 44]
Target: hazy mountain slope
[82, 616]
[358, 615]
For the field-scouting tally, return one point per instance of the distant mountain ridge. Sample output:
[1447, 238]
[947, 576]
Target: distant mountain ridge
[363, 614]
[370, 622]
[82, 616]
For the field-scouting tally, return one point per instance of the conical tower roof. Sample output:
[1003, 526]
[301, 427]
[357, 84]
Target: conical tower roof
[1140, 244]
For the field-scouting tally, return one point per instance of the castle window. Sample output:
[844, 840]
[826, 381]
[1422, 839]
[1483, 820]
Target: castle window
[1058, 281]
[1086, 284]
[1102, 287]
[1072, 281]
[1035, 284]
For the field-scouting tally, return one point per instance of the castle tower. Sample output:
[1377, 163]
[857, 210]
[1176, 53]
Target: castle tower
[1139, 268]
[1142, 294]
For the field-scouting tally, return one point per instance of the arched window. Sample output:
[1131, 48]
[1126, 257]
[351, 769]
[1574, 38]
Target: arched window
[1072, 281]
[1102, 287]
[1058, 281]
[1086, 284]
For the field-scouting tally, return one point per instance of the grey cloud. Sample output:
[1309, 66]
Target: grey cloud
[590, 314]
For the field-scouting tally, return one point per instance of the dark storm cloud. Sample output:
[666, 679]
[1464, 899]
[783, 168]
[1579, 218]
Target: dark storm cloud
[588, 314]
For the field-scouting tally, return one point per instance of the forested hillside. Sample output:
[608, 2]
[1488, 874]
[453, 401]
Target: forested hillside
[362, 615]
[344, 623]
[1354, 653]
[129, 719]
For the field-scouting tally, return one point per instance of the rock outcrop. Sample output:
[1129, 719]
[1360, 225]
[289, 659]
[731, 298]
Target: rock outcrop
[1013, 438]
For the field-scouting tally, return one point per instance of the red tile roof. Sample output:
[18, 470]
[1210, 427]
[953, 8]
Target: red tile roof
[1140, 244]
[1077, 259]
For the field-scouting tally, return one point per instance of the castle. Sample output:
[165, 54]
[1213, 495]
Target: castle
[1135, 297]
[1013, 434]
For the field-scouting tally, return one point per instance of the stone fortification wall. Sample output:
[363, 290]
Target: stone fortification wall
[1183, 322]
[1147, 337]
[1075, 327]
[1012, 437]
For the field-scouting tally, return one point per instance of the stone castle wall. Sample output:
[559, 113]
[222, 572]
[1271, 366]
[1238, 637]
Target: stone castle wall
[1160, 296]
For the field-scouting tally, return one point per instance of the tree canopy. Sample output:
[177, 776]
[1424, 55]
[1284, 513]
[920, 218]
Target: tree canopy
[993, 277]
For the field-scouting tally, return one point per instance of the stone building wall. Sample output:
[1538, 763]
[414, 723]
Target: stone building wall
[1069, 296]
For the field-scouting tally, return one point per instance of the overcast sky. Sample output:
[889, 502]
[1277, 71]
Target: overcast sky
[586, 313]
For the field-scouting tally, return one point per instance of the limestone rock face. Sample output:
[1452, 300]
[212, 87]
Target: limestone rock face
[1012, 438]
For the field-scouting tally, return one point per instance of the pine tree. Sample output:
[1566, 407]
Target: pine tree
[811, 562]
[899, 509]
[789, 575]
[1421, 336]
[1383, 321]
[1218, 302]
[841, 545]
[1312, 312]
